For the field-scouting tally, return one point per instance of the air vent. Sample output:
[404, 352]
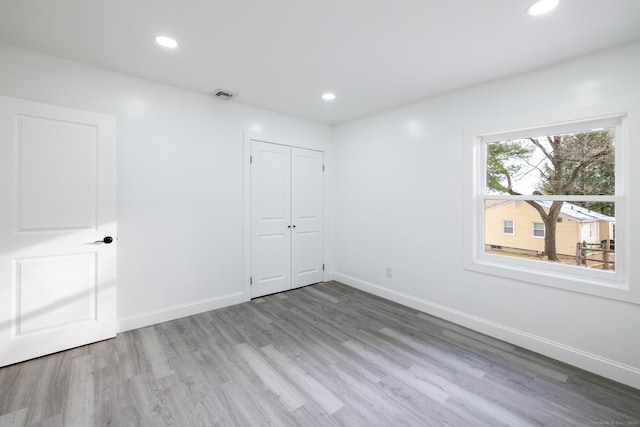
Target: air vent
[223, 94]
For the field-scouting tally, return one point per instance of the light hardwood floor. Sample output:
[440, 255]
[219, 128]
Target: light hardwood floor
[324, 355]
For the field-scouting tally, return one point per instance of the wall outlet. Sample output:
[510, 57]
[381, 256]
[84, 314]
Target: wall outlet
[389, 272]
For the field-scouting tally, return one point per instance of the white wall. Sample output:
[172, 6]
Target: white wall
[180, 179]
[396, 181]
[399, 203]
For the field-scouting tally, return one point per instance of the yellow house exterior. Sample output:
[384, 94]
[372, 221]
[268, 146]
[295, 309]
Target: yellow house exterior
[516, 225]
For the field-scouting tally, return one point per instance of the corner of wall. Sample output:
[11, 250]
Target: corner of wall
[177, 311]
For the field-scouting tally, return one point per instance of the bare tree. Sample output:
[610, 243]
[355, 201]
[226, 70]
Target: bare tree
[565, 164]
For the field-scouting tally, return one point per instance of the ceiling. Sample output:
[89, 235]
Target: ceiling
[282, 55]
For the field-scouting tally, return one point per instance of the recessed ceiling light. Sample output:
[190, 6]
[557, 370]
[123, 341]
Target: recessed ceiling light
[166, 42]
[541, 7]
[328, 97]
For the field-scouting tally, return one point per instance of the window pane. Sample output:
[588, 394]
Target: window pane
[508, 227]
[569, 164]
[538, 229]
[584, 237]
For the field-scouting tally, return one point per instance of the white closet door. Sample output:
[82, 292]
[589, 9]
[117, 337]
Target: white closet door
[270, 218]
[58, 192]
[306, 213]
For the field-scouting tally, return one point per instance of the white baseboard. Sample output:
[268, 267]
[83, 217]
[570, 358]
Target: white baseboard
[607, 368]
[177, 311]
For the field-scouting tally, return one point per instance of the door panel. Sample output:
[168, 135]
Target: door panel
[307, 214]
[57, 184]
[306, 251]
[69, 280]
[57, 177]
[270, 218]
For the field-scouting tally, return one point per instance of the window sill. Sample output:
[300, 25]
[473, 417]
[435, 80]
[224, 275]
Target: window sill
[605, 284]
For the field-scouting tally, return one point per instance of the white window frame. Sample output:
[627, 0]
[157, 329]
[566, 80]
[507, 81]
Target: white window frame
[609, 284]
[513, 227]
[533, 230]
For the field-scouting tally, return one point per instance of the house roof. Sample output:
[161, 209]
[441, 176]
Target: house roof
[578, 212]
[570, 210]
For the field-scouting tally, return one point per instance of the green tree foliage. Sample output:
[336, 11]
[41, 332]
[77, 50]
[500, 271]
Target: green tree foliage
[572, 164]
[596, 178]
[505, 161]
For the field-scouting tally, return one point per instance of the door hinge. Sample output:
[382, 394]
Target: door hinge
[322, 267]
[322, 168]
[251, 280]
[250, 159]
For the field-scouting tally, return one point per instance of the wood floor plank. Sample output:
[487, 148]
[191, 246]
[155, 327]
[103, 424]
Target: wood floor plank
[46, 394]
[154, 353]
[423, 408]
[364, 398]
[14, 419]
[324, 398]
[324, 355]
[494, 412]
[435, 354]
[106, 395]
[279, 385]
[54, 421]
[398, 372]
[273, 412]
[242, 408]
[79, 410]
[328, 297]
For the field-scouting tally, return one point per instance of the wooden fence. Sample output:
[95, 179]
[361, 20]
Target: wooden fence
[598, 255]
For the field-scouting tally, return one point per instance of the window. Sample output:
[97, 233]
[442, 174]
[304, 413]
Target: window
[567, 181]
[568, 171]
[508, 227]
[538, 229]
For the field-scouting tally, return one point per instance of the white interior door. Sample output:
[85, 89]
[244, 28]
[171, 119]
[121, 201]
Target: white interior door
[306, 214]
[286, 218]
[57, 192]
[270, 218]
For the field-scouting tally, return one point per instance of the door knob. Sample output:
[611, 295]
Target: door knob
[106, 240]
